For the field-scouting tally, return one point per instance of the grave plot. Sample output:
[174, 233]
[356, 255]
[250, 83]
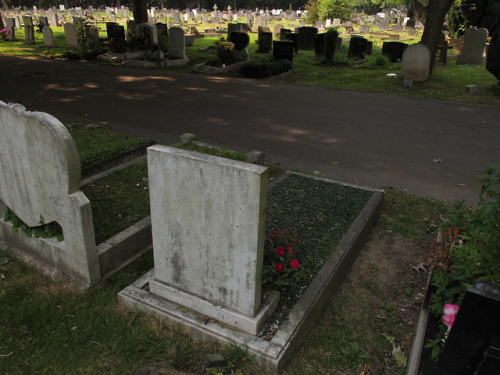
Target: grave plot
[40, 180]
[208, 243]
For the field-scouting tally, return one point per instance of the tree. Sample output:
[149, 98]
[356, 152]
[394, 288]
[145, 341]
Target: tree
[335, 9]
[436, 14]
[140, 11]
[312, 8]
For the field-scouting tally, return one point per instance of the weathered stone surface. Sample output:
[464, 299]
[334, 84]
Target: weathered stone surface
[473, 47]
[208, 220]
[416, 62]
[40, 178]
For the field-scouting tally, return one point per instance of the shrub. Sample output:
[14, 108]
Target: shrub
[262, 69]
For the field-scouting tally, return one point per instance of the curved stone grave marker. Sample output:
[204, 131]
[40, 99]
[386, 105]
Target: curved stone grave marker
[40, 179]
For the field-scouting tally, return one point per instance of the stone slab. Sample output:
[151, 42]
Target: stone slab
[208, 220]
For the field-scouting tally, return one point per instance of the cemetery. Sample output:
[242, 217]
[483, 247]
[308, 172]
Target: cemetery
[162, 255]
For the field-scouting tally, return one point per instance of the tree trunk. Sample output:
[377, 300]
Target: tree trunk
[140, 11]
[436, 13]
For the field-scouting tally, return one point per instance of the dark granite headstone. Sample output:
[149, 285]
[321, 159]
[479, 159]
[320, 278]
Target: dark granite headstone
[265, 42]
[161, 29]
[2, 26]
[283, 49]
[115, 31]
[319, 45]
[284, 34]
[474, 339]
[410, 24]
[307, 36]
[394, 50]
[239, 39]
[357, 47]
[231, 27]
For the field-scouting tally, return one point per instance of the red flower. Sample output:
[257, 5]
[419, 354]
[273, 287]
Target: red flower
[280, 251]
[278, 267]
[274, 232]
[294, 264]
[291, 250]
[268, 240]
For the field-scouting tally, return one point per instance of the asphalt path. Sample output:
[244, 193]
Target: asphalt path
[426, 147]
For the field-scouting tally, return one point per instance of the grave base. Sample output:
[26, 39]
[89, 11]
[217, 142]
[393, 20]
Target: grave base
[234, 319]
[272, 354]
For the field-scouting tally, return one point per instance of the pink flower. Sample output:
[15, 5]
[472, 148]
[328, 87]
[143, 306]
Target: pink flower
[448, 320]
[280, 251]
[450, 309]
[274, 232]
[294, 264]
[278, 267]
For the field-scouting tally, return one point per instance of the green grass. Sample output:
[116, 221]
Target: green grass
[98, 144]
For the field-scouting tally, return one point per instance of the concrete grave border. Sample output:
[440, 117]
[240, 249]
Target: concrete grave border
[276, 353]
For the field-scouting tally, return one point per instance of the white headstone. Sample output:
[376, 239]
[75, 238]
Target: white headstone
[208, 222]
[176, 43]
[40, 177]
[70, 35]
[48, 37]
[416, 62]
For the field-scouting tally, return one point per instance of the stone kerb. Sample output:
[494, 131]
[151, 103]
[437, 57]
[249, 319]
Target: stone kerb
[40, 178]
[208, 222]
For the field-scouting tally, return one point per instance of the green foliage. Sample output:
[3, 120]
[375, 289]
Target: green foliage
[470, 249]
[262, 69]
[335, 9]
[51, 230]
[312, 8]
[89, 44]
[369, 6]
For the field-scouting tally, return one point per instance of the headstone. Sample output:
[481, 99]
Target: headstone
[231, 27]
[411, 24]
[393, 37]
[29, 30]
[40, 177]
[2, 25]
[48, 37]
[336, 22]
[416, 62]
[357, 47]
[44, 21]
[383, 25]
[394, 50]
[265, 42]
[397, 28]
[307, 35]
[473, 343]
[176, 17]
[70, 35]
[473, 47]
[77, 21]
[412, 32]
[176, 43]
[208, 222]
[147, 35]
[239, 39]
[10, 24]
[319, 45]
[364, 29]
[277, 30]
[283, 49]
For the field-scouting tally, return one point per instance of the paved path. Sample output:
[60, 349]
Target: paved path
[364, 138]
